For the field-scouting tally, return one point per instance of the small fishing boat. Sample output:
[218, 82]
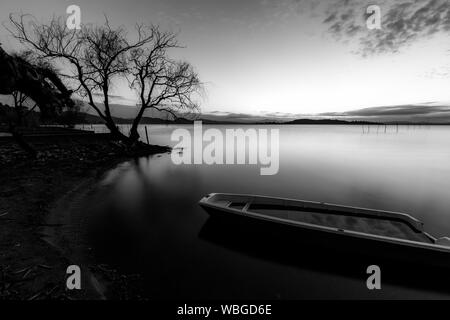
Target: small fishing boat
[393, 234]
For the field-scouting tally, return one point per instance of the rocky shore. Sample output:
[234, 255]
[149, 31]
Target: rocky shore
[30, 267]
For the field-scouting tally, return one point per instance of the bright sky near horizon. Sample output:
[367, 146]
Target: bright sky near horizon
[266, 56]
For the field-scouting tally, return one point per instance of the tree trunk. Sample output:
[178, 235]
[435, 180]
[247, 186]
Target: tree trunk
[110, 124]
[19, 114]
[134, 134]
[115, 132]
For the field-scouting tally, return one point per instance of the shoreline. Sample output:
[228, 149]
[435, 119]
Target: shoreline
[35, 194]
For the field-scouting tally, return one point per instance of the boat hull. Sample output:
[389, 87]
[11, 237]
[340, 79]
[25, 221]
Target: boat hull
[264, 233]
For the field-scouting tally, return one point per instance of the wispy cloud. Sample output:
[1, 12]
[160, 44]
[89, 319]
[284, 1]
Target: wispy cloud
[402, 22]
[431, 113]
[409, 110]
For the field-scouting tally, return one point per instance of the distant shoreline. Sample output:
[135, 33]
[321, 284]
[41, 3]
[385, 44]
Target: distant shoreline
[92, 119]
[294, 122]
[84, 118]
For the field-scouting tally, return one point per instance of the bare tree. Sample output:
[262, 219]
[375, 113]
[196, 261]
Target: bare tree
[20, 98]
[162, 84]
[30, 80]
[19, 101]
[72, 116]
[95, 55]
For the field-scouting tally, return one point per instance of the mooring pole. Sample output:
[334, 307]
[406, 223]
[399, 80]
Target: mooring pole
[146, 134]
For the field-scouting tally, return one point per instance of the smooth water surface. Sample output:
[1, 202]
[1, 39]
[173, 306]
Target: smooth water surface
[147, 218]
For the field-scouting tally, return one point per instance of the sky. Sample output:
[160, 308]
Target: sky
[287, 56]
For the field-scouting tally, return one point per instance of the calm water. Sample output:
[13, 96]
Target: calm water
[145, 216]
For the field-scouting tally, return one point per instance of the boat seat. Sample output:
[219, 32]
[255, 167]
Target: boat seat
[443, 241]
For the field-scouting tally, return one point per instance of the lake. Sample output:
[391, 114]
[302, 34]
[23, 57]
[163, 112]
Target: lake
[145, 216]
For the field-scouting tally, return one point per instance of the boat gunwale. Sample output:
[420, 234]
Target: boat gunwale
[415, 223]
[399, 241]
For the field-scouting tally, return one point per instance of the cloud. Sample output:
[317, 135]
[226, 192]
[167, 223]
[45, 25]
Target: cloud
[246, 117]
[100, 95]
[402, 23]
[430, 113]
[393, 110]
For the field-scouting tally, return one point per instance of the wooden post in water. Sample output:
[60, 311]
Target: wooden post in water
[146, 135]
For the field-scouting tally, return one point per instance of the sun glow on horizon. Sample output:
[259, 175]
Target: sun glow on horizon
[273, 56]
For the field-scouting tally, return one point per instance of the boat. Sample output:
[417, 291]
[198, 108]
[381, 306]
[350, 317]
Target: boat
[391, 234]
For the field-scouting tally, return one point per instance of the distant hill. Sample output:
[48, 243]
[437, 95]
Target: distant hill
[421, 113]
[428, 115]
[88, 118]
[328, 121]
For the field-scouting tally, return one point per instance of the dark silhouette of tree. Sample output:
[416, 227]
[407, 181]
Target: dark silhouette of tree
[97, 55]
[20, 99]
[72, 116]
[35, 79]
[162, 84]
[28, 79]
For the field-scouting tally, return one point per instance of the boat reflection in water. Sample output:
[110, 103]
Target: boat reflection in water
[329, 238]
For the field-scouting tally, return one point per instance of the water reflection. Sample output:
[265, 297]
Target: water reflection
[288, 247]
[145, 216]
